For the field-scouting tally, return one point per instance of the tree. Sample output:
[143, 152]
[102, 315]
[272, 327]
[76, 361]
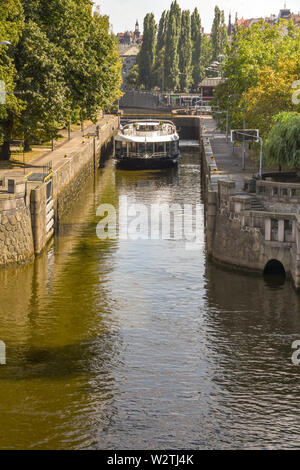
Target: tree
[272, 93]
[11, 26]
[158, 72]
[252, 50]
[65, 61]
[40, 77]
[219, 34]
[132, 80]
[283, 143]
[185, 52]
[196, 32]
[171, 65]
[146, 56]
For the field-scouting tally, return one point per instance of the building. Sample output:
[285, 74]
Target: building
[208, 87]
[128, 54]
[284, 14]
[131, 37]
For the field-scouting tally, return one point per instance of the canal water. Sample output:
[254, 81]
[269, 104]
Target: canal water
[144, 344]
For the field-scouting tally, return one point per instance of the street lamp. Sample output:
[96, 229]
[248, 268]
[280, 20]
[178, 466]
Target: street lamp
[5, 43]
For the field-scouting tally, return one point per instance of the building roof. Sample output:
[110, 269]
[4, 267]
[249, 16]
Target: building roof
[129, 51]
[211, 81]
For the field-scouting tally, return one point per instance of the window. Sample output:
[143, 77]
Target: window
[274, 229]
[118, 148]
[141, 148]
[159, 147]
[149, 148]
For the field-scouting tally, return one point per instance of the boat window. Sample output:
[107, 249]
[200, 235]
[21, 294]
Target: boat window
[159, 147]
[168, 147]
[141, 148]
[149, 147]
[133, 147]
[118, 146]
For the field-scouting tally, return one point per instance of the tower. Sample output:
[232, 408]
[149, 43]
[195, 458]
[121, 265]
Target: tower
[137, 31]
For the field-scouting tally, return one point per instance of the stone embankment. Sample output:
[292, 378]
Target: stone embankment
[251, 224]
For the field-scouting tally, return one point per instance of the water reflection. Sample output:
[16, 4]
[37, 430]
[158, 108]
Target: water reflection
[143, 344]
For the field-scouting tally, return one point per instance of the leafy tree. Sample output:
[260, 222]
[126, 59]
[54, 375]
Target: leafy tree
[283, 143]
[196, 31]
[40, 77]
[171, 55]
[132, 80]
[65, 61]
[219, 34]
[158, 73]
[11, 26]
[185, 52]
[252, 50]
[272, 93]
[146, 56]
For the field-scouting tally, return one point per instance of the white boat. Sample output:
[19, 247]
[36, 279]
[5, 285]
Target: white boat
[143, 145]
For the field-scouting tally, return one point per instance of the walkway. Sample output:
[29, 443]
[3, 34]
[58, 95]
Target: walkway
[57, 157]
[228, 163]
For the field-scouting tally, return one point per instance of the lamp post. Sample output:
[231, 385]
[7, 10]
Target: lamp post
[5, 43]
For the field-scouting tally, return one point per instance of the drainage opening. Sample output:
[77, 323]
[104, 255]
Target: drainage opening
[274, 273]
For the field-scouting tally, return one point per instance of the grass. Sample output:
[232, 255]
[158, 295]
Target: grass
[18, 157]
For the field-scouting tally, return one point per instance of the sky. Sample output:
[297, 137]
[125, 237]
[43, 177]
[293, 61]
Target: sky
[124, 13]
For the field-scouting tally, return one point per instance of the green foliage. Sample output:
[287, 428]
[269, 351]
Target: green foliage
[146, 56]
[171, 64]
[132, 80]
[179, 62]
[185, 52]
[65, 60]
[219, 34]
[196, 32]
[158, 72]
[253, 49]
[282, 146]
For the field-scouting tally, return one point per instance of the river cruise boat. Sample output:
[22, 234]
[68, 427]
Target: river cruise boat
[147, 145]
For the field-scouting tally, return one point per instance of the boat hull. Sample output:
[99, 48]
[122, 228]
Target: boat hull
[132, 163]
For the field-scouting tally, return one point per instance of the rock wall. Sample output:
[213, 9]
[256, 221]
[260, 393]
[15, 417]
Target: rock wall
[16, 239]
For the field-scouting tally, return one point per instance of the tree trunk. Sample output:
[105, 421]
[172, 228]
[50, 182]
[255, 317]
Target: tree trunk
[5, 148]
[5, 151]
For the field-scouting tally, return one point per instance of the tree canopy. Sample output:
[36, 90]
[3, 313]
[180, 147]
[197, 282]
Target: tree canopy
[283, 142]
[64, 61]
[175, 58]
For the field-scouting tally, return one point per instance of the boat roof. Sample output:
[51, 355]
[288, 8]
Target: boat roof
[148, 131]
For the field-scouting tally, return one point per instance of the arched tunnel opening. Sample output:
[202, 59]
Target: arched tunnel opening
[274, 273]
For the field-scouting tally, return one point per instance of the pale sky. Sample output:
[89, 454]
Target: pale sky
[124, 13]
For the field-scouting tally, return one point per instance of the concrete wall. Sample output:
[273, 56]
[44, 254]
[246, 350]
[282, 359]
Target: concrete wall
[138, 99]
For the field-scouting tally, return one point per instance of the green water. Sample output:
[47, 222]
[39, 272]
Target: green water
[142, 344]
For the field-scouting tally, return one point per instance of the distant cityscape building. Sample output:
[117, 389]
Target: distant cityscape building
[284, 14]
[131, 37]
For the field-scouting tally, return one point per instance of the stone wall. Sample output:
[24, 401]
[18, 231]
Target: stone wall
[241, 237]
[16, 239]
